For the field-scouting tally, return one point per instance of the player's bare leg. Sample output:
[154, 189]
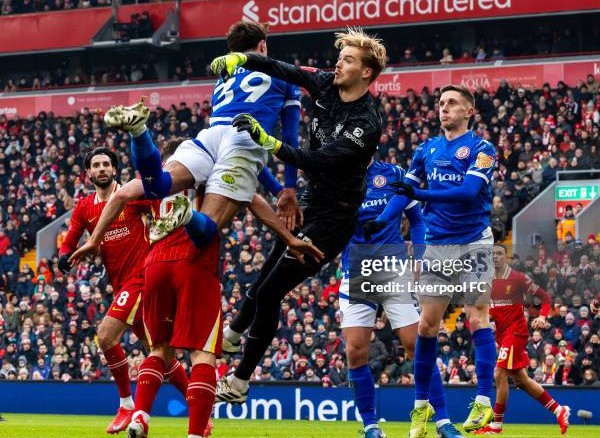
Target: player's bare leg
[110, 333]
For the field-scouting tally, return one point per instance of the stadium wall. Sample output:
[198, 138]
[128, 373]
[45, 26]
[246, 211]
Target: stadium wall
[281, 401]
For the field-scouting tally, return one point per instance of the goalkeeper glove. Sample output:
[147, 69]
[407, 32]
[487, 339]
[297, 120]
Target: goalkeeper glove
[405, 189]
[63, 263]
[225, 65]
[245, 122]
[372, 227]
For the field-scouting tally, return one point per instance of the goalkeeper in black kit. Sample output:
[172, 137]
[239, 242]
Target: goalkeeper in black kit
[344, 135]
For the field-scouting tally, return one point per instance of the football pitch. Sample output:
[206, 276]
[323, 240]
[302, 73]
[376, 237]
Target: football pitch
[84, 426]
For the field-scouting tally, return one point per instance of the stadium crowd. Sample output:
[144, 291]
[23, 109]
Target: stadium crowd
[49, 323]
[193, 63]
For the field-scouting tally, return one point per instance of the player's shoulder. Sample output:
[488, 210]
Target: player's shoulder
[480, 144]
[87, 201]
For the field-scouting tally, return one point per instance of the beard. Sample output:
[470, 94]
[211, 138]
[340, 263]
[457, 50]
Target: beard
[102, 183]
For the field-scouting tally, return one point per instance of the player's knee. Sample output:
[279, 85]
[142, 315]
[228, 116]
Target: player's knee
[428, 327]
[499, 375]
[107, 336]
[520, 379]
[356, 352]
[164, 352]
[199, 356]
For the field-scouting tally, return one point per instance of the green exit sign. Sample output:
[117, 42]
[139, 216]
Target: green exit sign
[576, 193]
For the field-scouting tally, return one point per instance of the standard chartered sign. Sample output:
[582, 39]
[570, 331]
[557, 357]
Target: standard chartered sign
[576, 193]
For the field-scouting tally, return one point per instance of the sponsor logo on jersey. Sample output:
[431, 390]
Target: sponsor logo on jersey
[358, 132]
[373, 203]
[484, 161]
[354, 139]
[228, 178]
[250, 11]
[441, 177]
[122, 216]
[462, 152]
[116, 234]
[379, 181]
[432, 150]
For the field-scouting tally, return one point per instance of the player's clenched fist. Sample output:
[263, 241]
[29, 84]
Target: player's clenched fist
[225, 65]
[245, 122]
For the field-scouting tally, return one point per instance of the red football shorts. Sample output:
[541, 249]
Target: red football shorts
[126, 306]
[512, 354]
[182, 305]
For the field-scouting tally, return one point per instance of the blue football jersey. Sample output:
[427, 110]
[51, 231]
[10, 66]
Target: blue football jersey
[444, 165]
[379, 192]
[254, 93]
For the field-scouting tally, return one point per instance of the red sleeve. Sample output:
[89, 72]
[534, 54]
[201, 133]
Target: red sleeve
[76, 229]
[536, 291]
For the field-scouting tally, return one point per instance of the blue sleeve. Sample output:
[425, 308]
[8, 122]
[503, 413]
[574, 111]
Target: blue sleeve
[394, 208]
[416, 171]
[417, 230]
[482, 164]
[269, 182]
[417, 224]
[290, 121]
[466, 192]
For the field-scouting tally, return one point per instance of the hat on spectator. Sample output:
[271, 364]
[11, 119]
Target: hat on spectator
[320, 356]
[302, 358]
[563, 343]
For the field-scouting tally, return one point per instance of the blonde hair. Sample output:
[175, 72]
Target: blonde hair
[374, 53]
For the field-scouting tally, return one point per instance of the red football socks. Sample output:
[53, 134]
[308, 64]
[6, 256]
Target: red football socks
[201, 397]
[119, 367]
[150, 378]
[177, 377]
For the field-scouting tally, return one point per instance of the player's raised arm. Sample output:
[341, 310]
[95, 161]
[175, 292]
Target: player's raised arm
[134, 189]
[310, 79]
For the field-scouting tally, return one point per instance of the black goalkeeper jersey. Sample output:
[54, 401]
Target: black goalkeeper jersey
[343, 138]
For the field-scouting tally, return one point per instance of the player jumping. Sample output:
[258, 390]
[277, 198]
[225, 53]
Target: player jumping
[508, 293]
[359, 310]
[457, 167]
[344, 135]
[124, 248]
[225, 161]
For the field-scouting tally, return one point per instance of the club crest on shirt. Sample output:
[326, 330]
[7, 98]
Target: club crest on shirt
[484, 161]
[379, 181]
[462, 152]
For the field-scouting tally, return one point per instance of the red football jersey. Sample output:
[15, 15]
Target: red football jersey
[177, 245]
[508, 301]
[125, 245]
